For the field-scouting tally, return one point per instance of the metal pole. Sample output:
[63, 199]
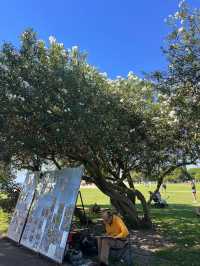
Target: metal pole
[83, 206]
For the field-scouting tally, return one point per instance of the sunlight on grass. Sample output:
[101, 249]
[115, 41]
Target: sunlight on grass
[178, 223]
[4, 220]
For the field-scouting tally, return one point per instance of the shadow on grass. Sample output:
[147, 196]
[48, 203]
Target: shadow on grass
[179, 225]
[4, 221]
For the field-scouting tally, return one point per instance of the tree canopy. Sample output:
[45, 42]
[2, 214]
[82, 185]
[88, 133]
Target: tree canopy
[180, 83]
[55, 107]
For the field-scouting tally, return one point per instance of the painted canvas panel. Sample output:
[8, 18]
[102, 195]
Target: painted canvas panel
[51, 213]
[22, 208]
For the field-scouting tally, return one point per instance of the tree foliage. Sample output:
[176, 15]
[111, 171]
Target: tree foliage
[180, 84]
[55, 107]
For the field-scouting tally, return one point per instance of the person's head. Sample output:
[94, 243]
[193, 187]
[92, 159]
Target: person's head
[107, 217]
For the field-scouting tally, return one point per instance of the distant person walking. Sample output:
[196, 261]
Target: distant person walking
[194, 192]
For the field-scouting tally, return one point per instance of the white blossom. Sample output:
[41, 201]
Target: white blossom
[67, 109]
[155, 118]
[165, 103]
[172, 114]
[52, 40]
[181, 3]
[74, 48]
[26, 84]
[181, 29]
[21, 98]
[4, 67]
[132, 76]
[144, 89]
[61, 45]
[176, 14]
[182, 21]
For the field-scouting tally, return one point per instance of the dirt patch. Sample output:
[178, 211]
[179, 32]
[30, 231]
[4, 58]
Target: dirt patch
[11, 254]
[144, 245]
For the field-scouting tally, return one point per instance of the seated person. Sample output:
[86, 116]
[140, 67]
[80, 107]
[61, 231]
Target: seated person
[156, 197]
[159, 202]
[116, 234]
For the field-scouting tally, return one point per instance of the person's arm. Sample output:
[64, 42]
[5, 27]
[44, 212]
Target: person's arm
[124, 231]
[107, 233]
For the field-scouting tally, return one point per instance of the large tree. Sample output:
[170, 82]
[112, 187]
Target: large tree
[180, 84]
[55, 107]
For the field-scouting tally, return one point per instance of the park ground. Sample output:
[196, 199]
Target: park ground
[175, 240]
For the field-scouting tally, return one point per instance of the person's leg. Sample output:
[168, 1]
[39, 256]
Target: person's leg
[107, 244]
[105, 248]
[194, 196]
[99, 241]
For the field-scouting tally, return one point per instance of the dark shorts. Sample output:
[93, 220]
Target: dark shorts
[115, 243]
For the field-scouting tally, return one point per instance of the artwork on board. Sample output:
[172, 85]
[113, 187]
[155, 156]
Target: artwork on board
[50, 216]
[23, 205]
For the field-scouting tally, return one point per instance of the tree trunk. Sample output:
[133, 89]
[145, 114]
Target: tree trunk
[127, 210]
[123, 199]
[146, 220]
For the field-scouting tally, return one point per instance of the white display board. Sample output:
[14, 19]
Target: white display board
[20, 214]
[51, 212]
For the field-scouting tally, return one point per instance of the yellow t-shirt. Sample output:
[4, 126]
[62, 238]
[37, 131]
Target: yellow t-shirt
[117, 228]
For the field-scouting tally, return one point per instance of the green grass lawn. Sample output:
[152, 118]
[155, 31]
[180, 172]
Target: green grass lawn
[4, 218]
[177, 223]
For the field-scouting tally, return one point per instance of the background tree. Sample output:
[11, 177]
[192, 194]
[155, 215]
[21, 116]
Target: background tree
[178, 87]
[180, 83]
[8, 187]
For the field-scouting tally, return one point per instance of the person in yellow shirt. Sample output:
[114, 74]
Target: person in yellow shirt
[116, 234]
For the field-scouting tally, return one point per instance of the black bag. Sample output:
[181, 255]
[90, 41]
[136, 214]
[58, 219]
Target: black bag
[89, 246]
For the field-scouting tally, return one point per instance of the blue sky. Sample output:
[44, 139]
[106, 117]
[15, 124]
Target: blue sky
[119, 36]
